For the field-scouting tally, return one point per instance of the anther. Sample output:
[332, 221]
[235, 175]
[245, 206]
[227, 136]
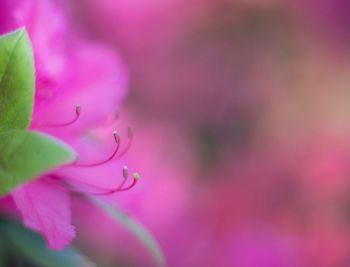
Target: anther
[125, 172]
[77, 110]
[125, 176]
[112, 156]
[116, 137]
[136, 177]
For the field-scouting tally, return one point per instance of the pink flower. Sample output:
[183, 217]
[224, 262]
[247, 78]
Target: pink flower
[159, 203]
[69, 72]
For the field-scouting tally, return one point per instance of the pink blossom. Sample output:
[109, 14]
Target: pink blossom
[159, 203]
[69, 71]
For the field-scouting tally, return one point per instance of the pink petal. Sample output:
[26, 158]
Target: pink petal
[95, 79]
[45, 208]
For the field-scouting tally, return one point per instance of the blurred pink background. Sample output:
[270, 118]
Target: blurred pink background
[240, 111]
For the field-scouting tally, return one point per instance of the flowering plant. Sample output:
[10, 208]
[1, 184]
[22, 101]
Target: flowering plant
[40, 144]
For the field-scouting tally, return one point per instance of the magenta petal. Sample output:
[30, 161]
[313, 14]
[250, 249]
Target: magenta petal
[45, 208]
[98, 87]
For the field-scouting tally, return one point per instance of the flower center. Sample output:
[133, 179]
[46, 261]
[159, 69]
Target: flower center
[92, 189]
[116, 154]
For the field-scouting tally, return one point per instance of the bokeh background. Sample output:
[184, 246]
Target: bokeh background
[241, 115]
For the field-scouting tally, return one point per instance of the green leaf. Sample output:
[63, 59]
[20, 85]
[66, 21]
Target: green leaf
[26, 155]
[138, 230]
[16, 80]
[33, 247]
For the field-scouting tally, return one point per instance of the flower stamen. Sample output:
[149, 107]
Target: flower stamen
[65, 124]
[108, 191]
[136, 177]
[120, 188]
[112, 156]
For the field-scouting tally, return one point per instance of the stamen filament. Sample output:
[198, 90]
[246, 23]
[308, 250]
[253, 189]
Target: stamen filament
[113, 155]
[68, 123]
[119, 188]
[108, 191]
[136, 177]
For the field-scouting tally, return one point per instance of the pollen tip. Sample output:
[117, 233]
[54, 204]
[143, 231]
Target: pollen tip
[77, 109]
[116, 136]
[125, 172]
[136, 175]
